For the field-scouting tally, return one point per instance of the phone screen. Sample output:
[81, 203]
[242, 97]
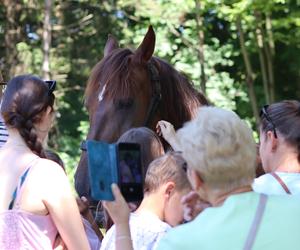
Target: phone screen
[130, 171]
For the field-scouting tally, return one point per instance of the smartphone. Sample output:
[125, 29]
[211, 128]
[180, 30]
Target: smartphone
[130, 172]
[115, 163]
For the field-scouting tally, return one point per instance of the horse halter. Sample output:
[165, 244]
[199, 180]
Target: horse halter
[156, 93]
[154, 102]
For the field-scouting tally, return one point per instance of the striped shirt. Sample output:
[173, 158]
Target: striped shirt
[3, 132]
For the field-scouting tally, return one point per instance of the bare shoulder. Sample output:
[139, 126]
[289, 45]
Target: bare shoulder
[51, 180]
[48, 166]
[49, 171]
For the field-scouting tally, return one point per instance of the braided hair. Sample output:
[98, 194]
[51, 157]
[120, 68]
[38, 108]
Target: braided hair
[286, 118]
[24, 102]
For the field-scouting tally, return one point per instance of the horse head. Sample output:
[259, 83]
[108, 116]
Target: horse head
[131, 89]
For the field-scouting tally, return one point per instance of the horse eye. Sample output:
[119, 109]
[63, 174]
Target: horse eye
[124, 103]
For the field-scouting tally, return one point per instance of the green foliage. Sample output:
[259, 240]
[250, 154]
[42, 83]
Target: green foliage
[80, 29]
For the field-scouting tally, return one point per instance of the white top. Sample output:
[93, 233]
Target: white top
[267, 184]
[146, 231]
[3, 132]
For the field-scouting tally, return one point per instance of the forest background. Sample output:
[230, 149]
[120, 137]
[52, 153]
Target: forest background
[241, 53]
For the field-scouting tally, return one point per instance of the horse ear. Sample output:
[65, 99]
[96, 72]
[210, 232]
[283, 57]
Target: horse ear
[145, 51]
[111, 44]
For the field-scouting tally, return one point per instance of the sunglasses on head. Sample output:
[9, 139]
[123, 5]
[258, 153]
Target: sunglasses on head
[51, 84]
[264, 113]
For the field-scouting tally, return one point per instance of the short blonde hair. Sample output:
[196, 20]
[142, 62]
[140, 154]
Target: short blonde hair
[220, 147]
[170, 167]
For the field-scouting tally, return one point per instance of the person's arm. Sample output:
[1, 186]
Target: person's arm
[61, 205]
[119, 212]
[83, 205]
[167, 131]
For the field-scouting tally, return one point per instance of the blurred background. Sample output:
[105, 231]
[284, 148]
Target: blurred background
[241, 53]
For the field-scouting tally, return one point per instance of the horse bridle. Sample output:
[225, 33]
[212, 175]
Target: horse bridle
[155, 99]
[156, 93]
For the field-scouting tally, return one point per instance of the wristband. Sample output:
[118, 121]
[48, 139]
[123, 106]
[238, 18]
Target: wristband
[123, 237]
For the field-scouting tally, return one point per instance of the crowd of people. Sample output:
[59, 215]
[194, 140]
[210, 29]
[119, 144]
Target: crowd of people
[203, 193]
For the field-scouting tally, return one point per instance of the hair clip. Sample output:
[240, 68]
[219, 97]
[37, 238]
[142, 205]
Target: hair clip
[51, 84]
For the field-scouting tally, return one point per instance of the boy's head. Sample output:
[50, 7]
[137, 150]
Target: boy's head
[166, 176]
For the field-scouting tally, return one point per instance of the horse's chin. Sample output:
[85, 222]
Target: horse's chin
[82, 184]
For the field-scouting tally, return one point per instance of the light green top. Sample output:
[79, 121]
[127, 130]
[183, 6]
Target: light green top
[227, 227]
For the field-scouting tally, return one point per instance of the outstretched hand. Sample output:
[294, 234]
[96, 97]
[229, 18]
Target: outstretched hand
[192, 205]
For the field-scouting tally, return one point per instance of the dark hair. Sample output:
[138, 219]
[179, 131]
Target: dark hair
[51, 155]
[286, 118]
[24, 101]
[151, 146]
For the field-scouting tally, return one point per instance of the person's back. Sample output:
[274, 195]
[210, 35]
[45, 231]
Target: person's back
[36, 200]
[270, 184]
[165, 184]
[227, 226]
[146, 230]
[21, 226]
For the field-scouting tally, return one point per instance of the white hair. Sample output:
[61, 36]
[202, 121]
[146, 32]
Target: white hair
[220, 147]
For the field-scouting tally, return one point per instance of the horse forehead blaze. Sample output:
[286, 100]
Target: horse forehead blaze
[101, 94]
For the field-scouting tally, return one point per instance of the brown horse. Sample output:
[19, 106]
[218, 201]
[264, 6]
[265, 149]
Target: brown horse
[130, 89]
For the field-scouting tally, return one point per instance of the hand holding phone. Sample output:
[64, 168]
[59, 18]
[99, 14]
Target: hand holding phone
[115, 163]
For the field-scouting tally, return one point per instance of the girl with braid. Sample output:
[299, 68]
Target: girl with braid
[36, 201]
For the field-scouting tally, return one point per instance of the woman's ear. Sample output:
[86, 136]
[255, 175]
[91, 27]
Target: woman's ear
[49, 110]
[274, 141]
[195, 179]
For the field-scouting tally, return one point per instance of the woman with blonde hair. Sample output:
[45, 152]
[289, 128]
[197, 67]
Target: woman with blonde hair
[221, 154]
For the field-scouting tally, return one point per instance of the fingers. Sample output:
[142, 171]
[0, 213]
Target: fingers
[117, 209]
[190, 197]
[84, 199]
[158, 128]
[116, 192]
[132, 206]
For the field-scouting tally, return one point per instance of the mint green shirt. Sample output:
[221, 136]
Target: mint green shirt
[227, 227]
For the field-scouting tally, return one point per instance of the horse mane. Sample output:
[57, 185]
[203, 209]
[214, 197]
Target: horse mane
[179, 101]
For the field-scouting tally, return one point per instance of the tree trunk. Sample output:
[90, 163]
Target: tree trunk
[200, 51]
[47, 40]
[260, 43]
[249, 72]
[270, 52]
[12, 36]
[270, 34]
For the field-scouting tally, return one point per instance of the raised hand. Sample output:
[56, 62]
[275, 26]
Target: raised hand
[117, 209]
[192, 205]
[167, 131]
